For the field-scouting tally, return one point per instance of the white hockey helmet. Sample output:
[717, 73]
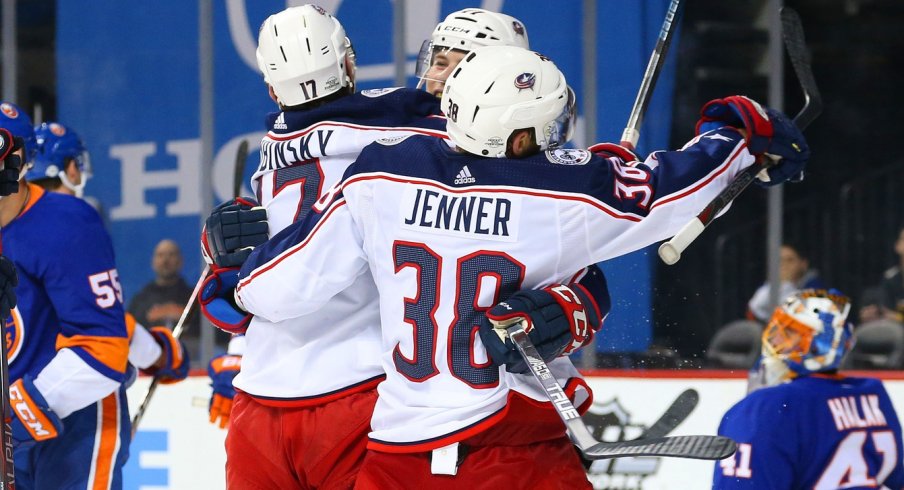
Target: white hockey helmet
[808, 333]
[470, 28]
[497, 90]
[304, 55]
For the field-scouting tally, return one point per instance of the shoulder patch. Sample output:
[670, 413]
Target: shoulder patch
[568, 156]
[393, 140]
[377, 92]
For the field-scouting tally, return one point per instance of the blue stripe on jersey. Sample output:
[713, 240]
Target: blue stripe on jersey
[403, 107]
[620, 187]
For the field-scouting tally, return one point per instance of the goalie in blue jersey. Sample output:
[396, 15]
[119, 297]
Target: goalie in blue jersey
[804, 425]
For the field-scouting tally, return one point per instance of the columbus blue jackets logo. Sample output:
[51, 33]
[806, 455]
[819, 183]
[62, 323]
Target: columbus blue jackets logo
[568, 156]
[525, 81]
[319, 9]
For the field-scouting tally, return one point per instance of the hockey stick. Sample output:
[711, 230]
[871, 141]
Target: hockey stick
[241, 156]
[793, 34]
[7, 466]
[631, 134]
[693, 447]
[677, 412]
[177, 332]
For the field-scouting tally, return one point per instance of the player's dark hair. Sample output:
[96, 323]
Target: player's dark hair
[48, 183]
[798, 249]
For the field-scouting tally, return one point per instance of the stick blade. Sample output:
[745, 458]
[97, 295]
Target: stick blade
[689, 447]
[796, 45]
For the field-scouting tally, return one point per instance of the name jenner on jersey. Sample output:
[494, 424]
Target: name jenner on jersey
[431, 210]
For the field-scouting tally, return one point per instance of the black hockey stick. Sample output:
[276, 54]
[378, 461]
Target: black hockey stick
[677, 412]
[796, 45]
[177, 332]
[7, 465]
[632, 131]
[241, 156]
[693, 447]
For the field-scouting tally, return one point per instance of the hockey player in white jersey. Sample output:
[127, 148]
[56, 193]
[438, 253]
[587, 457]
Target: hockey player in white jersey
[446, 233]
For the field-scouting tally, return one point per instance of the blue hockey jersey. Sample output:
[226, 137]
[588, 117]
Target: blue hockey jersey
[816, 432]
[68, 330]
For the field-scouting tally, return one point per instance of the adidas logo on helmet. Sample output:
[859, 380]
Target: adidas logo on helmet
[464, 176]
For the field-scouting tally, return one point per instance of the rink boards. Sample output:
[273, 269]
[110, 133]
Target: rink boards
[176, 447]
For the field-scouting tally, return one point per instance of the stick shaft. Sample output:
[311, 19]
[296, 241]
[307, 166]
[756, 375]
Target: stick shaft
[177, 332]
[632, 131]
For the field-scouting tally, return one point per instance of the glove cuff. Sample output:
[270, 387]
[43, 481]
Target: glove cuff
[29, 406]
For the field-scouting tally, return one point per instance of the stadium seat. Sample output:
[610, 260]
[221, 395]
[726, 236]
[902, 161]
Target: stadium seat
[736, 345]
[878, 344]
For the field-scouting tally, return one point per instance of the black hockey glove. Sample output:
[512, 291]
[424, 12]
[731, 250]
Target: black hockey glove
[11, 163]
[8, 282]
[232, 231]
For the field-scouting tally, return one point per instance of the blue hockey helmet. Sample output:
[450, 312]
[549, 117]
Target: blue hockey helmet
[19, 124]
[57, 146]
[807, 334]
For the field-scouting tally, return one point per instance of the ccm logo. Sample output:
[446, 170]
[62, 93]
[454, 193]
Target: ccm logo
[39, 429]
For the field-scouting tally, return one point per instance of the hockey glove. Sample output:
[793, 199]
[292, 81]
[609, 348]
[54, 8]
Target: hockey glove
[9, 279]
[11, 169]
[232, 231]
[769, 133]
[218, 301]
[173, 364]
[222, 370]
[609, 150]
[559, 318]
[34, 420]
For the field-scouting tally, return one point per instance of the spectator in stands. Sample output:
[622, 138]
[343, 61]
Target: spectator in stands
[795, 274]
[887, 300]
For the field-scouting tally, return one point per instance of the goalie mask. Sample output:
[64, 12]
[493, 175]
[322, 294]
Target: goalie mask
[808, 334]
[461, 32]
[497, 90]
[304, 55]
[57, 146]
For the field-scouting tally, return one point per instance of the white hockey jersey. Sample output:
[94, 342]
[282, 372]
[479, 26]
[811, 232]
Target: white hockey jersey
[323, 355]
[447, 235]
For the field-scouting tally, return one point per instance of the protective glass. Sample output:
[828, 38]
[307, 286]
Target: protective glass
[562, 128]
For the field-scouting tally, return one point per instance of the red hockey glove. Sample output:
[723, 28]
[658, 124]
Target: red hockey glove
[560, 319]
[769, 133]
[222, 370]
[173, 364]
[34, 420]
[609, 150]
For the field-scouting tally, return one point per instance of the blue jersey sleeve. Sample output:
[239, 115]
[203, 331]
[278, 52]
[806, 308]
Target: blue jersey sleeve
[82, 284]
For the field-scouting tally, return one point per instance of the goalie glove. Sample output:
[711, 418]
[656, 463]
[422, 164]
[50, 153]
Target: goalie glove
[559, 320]
[232, 231]
[11, 169]
[173, 364]
[768, 132]
[222, 370]
[34, 420]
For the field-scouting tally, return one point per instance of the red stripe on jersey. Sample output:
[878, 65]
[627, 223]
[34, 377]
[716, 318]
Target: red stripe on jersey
[302, 132]
[315, 400]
